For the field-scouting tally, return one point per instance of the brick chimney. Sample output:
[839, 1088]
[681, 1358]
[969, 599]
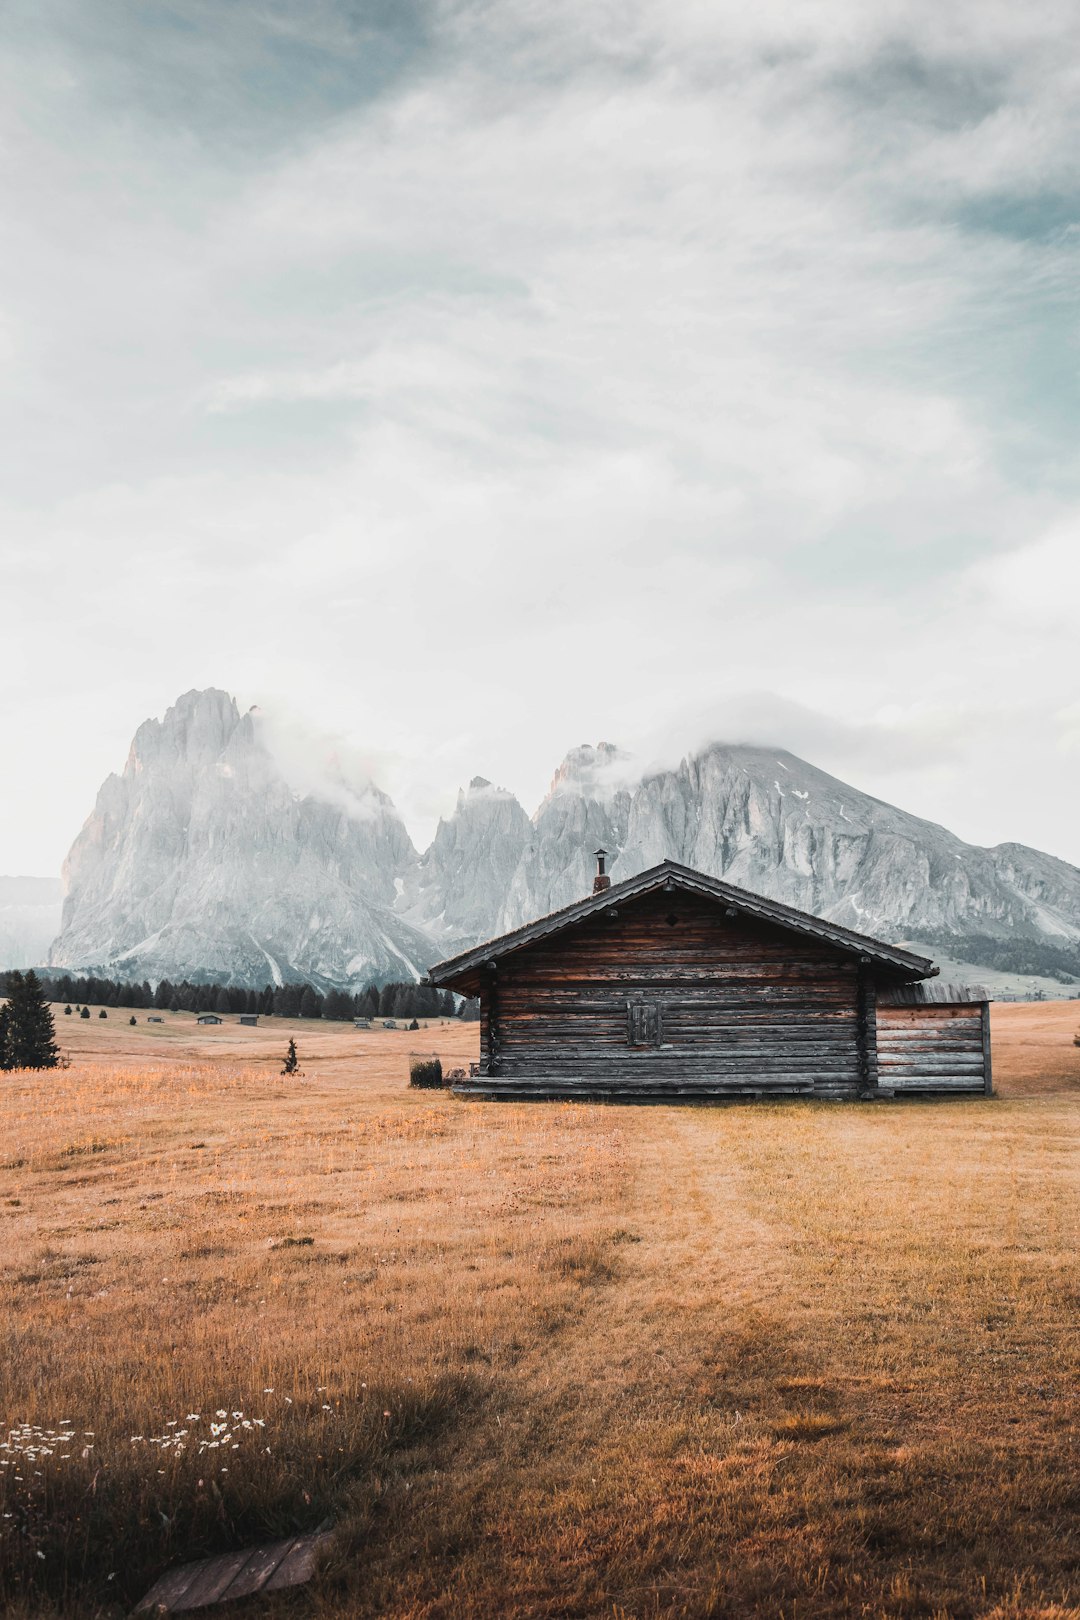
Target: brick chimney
[601, 881]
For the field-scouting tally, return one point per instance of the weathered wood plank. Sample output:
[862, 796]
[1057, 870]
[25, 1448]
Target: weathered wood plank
[211, 1579]
[257, 1569]
[300, 1562]
[988, 1069]
[271, 1567]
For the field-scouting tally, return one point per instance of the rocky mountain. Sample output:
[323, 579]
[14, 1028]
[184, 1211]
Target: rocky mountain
[456, 888]
[200, 858]
[587, 808]
[770, 822]
[29, 919]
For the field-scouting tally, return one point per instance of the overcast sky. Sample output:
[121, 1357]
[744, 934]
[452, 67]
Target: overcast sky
[472, 380]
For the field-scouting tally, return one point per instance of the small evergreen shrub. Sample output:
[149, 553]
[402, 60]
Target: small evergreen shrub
[85, 1013]
[425, 1071]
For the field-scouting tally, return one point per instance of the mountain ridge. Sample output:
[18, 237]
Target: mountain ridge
[200, 857]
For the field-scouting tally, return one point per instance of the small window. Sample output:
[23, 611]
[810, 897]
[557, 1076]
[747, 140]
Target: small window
[644, 1025]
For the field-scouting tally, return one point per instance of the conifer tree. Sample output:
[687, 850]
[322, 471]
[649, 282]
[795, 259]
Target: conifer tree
[85, 1013]
[5, 1037]
[292, 1062]
[31, 1035]
[287, 1000]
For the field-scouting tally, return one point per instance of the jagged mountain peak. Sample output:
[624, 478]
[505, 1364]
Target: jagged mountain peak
[480, 798]
[481, 790]
[201, 857]
[591, 771]
[196, 727]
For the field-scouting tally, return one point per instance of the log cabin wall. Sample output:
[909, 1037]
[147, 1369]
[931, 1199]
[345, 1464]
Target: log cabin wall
[934, 1047]
[672, 996]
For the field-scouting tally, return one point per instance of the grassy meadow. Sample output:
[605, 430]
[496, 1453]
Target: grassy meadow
[787, 1359]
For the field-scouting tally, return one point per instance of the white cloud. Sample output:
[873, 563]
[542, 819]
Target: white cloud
[605, 366]
[1038, 584]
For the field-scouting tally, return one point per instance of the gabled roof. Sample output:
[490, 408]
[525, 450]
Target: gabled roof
[672, 874]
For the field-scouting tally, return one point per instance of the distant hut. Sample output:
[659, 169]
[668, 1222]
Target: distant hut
[674, 985]
[208, 1018]
[248, 1019]
[361, 1023]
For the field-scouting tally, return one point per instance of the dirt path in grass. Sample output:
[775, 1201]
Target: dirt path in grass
[692, 1263]
[787, 1393]
[594, 1480]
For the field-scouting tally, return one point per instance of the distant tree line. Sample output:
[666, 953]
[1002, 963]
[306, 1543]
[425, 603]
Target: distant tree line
[286, 1000]
[1060, 962]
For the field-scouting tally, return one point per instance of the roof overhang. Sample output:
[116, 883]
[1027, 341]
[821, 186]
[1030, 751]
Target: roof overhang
[670, 875]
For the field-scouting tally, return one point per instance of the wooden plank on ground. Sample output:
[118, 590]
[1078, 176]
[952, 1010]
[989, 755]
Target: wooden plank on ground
[269, 1568]
[209, 1580]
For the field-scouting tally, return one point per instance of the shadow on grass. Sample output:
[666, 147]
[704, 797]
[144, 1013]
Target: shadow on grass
[85, 1530]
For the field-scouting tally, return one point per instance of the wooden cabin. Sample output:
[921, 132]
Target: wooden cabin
[251, 1020]
[673, 985]
[208, 1018]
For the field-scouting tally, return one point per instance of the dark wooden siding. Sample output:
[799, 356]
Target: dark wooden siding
[934, 1047]
[742, 1006]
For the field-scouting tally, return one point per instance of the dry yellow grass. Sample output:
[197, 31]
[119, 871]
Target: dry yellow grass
[787, 1359]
